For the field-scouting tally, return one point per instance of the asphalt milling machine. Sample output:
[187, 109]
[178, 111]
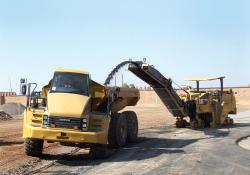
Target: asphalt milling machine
[204, 108]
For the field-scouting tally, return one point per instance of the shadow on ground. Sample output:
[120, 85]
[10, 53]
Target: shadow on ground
[8, 143]
[144, 148]
[218, 132]
[241, 125]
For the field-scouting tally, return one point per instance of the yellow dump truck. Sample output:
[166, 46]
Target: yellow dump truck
[75, 110]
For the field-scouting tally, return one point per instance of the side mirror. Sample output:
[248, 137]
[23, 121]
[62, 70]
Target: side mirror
[24, 89]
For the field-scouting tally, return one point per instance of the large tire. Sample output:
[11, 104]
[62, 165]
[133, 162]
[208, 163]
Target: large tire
[33, 147]
[132, 123]
[117, 130]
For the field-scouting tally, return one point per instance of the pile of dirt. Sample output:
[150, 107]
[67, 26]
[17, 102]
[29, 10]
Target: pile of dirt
[4, 116]
[13, 109]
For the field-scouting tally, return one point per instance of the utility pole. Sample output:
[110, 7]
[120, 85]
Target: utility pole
[10, 84]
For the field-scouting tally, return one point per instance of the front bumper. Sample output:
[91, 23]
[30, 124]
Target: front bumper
[63, 135]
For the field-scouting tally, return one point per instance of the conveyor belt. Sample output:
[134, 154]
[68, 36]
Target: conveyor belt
[161, 85]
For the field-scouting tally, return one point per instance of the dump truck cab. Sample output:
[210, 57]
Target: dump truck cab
[79, 111]
[68, 96]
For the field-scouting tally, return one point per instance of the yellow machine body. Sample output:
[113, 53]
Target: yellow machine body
[213, 103]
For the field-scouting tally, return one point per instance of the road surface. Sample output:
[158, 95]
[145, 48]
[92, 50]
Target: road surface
[167, 150]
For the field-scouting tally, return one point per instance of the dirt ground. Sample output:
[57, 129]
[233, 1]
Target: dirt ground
[13, 160]
[151, 114]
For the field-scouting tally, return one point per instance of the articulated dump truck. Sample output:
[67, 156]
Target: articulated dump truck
[77, 111]
[203, 108]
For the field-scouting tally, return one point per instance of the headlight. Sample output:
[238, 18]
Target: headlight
[45, 120]
[84, 123]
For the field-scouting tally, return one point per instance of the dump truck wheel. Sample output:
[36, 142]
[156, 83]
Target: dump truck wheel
[117, 130]
[33, 147]
[132, 123]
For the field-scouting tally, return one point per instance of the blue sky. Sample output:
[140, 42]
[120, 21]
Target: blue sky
[181, 38]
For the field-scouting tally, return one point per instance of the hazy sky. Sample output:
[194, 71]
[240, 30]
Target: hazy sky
[181, 38]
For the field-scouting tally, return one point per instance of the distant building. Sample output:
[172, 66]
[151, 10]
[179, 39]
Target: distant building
[4, 95]
[7, 94]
